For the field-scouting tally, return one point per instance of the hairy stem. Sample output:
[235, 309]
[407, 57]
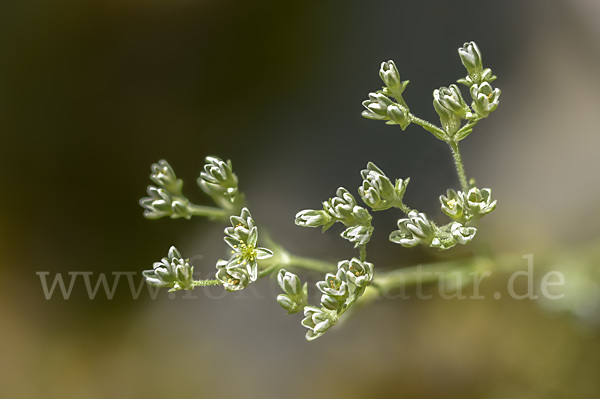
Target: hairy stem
[430, 127]
[403, 207]
[205, 283]
[460, 169]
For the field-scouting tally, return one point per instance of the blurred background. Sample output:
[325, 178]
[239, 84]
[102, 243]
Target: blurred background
[93, 92]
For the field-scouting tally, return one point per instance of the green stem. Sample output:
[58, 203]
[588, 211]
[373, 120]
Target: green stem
[363, 253]
[430, 127]
[422, 274]
[282, 258]
[460, 169]
[208, 211]
[403, 207]
[311, 264]
[205, 283]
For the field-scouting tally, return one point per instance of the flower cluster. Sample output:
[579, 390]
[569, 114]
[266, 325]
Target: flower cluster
[418, 229]
[451, 108]
[470, 56]
[463, 207]
[339, 292]
[218, 180]
[378, 192]
[449, 103]
[173, 271]
[295, 296]
[380, 107]
[165, 199]
[485, 98]
[242, 267]
[341, 208]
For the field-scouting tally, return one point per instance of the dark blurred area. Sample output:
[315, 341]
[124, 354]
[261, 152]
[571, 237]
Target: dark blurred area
[93, 92]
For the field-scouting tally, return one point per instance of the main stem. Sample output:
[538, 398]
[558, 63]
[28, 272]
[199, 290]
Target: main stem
[311, 264]
[460, 168]
[208, 211]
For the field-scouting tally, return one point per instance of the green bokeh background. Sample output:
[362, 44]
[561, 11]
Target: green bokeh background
[93, 92]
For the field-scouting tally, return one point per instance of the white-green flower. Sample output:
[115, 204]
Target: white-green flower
[218, 180]
[471, 58]
[450, 100]
[242, 237]
[463, 207]
[391, 77]
[232, 278]
[453, 205]
[358, 235]
[164, 176]
[358, 273]
[485, 99]
[161, 203]
[414, 230]
[462, 235]
[376, 107]
[317, 321]
[173, 271]
[314, 218]
[399, 115]
[451, 108]
[343, 208]
[335, 290]
[479, 202]
[166, 199]
[377, 191]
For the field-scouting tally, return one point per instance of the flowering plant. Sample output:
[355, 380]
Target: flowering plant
[345, 282]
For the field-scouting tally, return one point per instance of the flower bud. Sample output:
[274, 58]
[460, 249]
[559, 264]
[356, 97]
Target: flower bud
[390, 76]
[398, 115]
[287, 303]
[173, 271]
[218, 180]
[289, 283]
[377, 191]
[416, 229]
[317, 321]
[312, 218]
[161, 203]
[471, 58]
[358, 235]
[164, 176]
[296, 295]
[341, 206]
[451, 107]
[376, 107]
[331, 303]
